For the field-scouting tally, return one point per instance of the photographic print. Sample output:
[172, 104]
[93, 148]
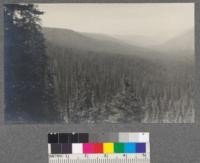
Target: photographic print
[99, 63]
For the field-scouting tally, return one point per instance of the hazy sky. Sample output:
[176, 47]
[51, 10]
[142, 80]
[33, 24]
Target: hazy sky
[160, 20]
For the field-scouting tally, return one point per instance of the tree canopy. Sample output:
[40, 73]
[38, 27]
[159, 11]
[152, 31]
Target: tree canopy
[29, 83]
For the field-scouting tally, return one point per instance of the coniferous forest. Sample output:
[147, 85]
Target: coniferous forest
[61, 76]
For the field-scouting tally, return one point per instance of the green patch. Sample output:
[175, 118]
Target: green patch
[119, 147]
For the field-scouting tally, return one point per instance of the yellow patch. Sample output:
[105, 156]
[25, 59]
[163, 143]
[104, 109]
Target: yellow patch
[108, 148]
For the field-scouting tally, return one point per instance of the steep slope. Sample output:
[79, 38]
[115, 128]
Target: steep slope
[93, 42]
[72, 39]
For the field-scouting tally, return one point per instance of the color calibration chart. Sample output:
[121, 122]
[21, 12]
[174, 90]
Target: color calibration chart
[120, 147]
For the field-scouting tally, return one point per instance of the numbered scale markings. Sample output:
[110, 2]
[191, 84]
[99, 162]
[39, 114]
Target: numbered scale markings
[82, 148]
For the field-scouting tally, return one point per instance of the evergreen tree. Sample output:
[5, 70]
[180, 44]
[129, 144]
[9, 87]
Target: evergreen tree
[83, 102]
[126, 106]
[29, 83]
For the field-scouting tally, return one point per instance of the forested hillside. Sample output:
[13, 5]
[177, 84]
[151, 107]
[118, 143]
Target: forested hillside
[94, 83]
[57, 75]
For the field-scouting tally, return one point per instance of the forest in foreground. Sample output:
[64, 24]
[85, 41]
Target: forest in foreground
[112, 87]
[62, 76]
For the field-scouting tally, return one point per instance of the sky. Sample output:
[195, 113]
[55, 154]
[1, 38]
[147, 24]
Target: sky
[156, 20]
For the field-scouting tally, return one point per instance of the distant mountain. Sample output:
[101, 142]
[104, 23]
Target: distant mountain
[138, 40]
[93, 42]
[169, 51]
[102, 37]
[86, 41]
[180, 46]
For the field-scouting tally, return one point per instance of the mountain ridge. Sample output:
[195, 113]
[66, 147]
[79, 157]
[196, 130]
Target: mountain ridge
[107, 44]
[73, 39]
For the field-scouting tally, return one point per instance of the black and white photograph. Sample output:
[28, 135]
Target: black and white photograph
[99, 63]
